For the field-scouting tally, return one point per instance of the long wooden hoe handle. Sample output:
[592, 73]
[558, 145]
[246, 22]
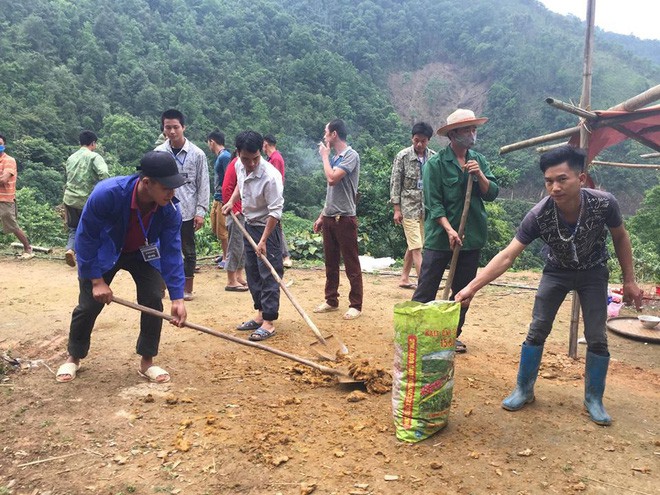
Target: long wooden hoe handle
[288, 293]
[461, 231]
[236, 340]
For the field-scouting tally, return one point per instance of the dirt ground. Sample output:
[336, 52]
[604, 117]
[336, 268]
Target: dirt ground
[236, 420]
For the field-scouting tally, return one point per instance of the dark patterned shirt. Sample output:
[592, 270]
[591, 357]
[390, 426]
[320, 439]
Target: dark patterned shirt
[587, 249]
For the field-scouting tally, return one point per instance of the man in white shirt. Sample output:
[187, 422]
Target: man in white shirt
[261, 192]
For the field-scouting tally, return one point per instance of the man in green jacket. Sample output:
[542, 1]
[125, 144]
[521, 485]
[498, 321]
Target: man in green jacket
[445, 180]
[83, 170]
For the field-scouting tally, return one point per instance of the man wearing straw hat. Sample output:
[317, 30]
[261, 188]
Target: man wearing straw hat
[445, 180]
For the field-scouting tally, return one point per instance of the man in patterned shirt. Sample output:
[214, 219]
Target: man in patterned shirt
[573, 222]
[195, 195]
[407, 198]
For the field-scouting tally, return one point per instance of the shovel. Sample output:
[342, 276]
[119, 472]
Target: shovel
[341, 374]
[332, 345]
[461, 231]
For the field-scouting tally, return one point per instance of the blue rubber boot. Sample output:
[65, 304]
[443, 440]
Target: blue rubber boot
[594, 386]
[530, 360]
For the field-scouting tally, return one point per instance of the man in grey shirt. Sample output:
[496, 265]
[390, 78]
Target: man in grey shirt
[261, 192]
[338, 221]
[194, 196]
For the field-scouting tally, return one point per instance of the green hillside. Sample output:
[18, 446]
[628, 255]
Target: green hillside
[287, 67]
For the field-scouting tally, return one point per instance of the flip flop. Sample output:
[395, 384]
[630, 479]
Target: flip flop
[249, 325]
[408, 286]
[67, 369]
[352, 314]
[460, 347]
[152, 374]
[236, 288]
[261, 334]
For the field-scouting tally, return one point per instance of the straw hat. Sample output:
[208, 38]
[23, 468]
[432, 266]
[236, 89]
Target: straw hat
[461, 118]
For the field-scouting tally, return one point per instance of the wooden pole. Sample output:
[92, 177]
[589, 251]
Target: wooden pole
[585, 103]
[461, 231]
[38, 249]
[543, 149]
[566, 133]
[567, 107]
[639, 101]
[650, 155]
[649, 166]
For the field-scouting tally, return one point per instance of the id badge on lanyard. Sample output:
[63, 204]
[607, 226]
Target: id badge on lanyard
[149, 252]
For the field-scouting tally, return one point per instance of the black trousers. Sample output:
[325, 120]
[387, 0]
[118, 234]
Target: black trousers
[148, 282]
[264, 288]
[188, 248]
[433, 267]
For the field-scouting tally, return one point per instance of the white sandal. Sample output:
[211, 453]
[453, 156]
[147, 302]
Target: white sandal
[70, 369]
[152, 374]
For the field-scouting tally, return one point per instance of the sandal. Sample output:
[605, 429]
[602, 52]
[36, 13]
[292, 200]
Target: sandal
[352, 314]
[261, 334]
[152, 374]
[460, 347]
[325, 308]
[67, 369]
[236, 288]
[249, 325]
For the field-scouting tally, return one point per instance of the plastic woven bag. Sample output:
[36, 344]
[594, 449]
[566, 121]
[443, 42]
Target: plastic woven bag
[423, 377]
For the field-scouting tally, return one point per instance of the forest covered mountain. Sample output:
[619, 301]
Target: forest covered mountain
[288, 66]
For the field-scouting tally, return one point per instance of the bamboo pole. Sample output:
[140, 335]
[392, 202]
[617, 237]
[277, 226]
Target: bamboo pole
[39, 249]
[567, 107]
[543, 149]
[565, 133]
[650, 166]
[585, 103]
[639, 101]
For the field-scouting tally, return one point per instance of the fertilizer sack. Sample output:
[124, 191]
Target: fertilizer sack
[423, 377]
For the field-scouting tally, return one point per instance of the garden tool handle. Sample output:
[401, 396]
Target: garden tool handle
[248, 343]
[288, 293]
[461, 231]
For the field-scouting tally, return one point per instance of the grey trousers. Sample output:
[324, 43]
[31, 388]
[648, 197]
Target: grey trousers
[591, 286]
[235, 248]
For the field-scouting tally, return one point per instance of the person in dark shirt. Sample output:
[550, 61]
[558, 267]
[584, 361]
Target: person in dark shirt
[573, 222]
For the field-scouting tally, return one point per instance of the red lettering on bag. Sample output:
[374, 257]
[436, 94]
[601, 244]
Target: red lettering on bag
[411, 370]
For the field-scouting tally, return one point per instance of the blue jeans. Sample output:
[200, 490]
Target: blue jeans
[591, 286]
[265, 290]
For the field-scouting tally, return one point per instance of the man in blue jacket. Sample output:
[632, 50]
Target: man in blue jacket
[130, 223]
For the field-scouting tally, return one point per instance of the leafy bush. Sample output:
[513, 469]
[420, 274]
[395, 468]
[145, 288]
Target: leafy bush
[40, 221]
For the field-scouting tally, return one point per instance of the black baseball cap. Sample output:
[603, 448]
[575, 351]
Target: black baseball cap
[161, 166]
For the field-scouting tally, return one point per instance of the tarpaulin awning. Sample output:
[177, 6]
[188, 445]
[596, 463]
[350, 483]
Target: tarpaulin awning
[612, 127]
